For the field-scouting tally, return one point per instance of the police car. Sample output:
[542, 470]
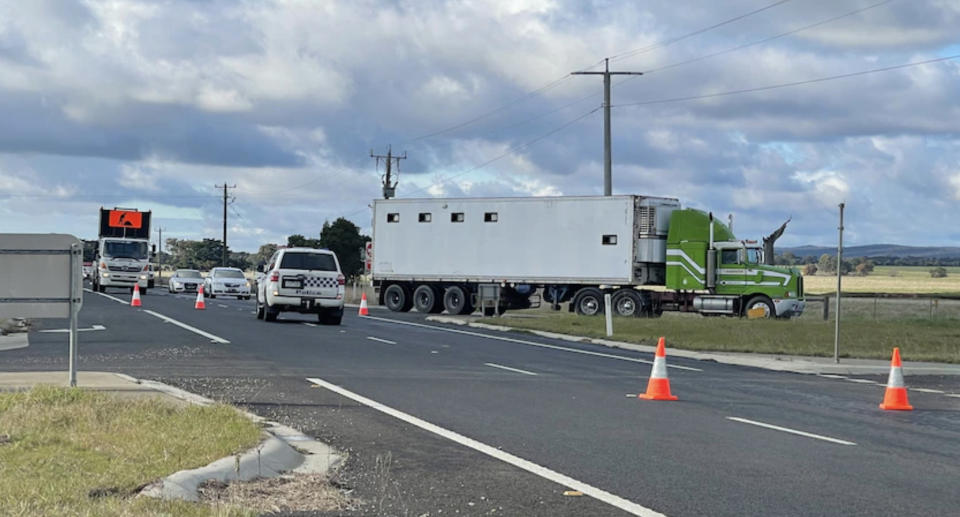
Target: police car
[303, 280]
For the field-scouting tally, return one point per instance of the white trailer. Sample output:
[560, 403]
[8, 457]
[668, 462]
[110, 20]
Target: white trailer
[436, 254]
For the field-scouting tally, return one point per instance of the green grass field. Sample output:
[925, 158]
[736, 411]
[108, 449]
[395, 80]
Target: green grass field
[67, 452]
[926, 327]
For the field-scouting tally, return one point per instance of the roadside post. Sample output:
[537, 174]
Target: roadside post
[608, 312]
[836, 330]
[47, 283]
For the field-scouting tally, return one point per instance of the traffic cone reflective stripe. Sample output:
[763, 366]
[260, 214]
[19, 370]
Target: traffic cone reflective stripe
[135, 301]
[895, 397]
[199, 304]
[363, 305]
[658, 387]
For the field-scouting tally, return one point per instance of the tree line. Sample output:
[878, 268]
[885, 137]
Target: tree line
[789, 259]
[341, 237]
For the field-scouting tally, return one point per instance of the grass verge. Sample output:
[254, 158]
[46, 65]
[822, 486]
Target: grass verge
[79, 453]
[936, 339]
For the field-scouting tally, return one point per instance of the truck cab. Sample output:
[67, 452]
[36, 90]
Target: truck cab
[122, 263]
[725, 275]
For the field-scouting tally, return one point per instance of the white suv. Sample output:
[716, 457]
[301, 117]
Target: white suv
[303, 280]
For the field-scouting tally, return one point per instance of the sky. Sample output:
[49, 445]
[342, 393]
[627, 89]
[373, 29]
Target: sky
[152, 104]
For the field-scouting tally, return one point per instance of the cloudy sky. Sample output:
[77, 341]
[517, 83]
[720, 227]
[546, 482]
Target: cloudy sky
[152, 104]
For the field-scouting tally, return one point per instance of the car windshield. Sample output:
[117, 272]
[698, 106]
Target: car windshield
[185, 273]
[228, 274]
[125, 249]
[309, 261]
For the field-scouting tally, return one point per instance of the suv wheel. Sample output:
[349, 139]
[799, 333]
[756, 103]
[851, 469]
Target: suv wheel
[260, 311]
[270, 314]
[330, 316]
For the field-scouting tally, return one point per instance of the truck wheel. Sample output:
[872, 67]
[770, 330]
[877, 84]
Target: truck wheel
[457, 301]
[588, 302]
[760, 302]
[397, 299]
[426, 299]
[627, 302]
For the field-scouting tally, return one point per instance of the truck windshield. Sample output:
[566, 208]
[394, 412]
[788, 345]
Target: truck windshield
[308, 261]
[754, 256]
[125, 249]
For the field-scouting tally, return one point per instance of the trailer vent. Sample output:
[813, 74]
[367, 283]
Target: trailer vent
[609, 240]
[490, 217]
[647, 216]
[393, 218]
[456, 217]
[425, 217]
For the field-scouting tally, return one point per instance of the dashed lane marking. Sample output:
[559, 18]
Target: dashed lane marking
[182, 325]
[387, 341]
[529, 343]
[863, 381]
[516, 370]
[307, 323]
[927, 390]
[529, 466]
[91, 329]
[791, 431]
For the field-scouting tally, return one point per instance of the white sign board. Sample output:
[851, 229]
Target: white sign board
[40, 275]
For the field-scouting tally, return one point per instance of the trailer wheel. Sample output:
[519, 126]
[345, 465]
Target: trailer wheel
[588, 302]
[760, 302]
[627, 302]
[397, 299]
[456, 300]
[426, 299]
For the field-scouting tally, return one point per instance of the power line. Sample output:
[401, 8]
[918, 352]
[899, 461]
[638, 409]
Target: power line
[790, 84]
[682, 37]
[765, 40]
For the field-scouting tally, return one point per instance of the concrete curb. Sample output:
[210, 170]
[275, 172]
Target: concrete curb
[793, 364]
[283, 449]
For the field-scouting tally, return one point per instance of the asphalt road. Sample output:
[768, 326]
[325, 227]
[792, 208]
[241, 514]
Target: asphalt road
[734, 443]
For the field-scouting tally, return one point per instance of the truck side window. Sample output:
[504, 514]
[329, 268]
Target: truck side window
[425, 217]
[456, 217]
[393, 218]
[728, 257]
[490, 217]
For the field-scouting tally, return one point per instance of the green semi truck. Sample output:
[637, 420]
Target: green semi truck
[495, 254]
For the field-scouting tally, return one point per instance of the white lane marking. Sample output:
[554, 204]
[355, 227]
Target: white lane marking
[529, 466]
[791, 431]
[387, 341]
[926, 390]
[307, 323]
[182, 325]
[343, 331]
[530, 343]
[517, 370]
[955, 395]
[863, 381]
[831, 376]
[91, 329]
[105, 295]
[223, 306]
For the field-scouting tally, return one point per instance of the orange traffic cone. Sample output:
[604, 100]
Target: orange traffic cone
[363, 305]
[135, 301]
[896, 394]
[200, 304]
[658, 388]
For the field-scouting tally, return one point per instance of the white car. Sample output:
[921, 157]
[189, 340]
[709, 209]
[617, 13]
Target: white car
[184, 281]
[226, 281]
[303, 280]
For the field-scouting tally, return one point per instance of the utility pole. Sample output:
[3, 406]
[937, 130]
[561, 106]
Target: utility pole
[223, 260]
[159, 253]
[607, 152]
[836, 330]
[389, 185]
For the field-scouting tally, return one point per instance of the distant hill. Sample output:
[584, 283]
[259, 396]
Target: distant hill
[878, 250]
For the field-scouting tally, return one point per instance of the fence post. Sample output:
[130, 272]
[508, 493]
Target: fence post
[826, 308]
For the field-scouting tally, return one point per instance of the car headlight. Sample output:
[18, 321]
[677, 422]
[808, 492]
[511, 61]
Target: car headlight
[143, 277]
